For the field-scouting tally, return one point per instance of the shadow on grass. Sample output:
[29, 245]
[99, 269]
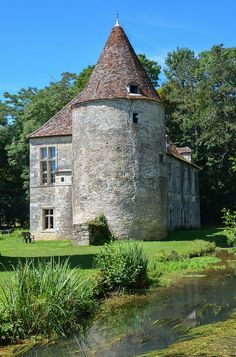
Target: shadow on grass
[76, 261]
[215, 235]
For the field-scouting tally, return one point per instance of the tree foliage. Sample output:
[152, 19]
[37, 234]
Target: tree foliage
[152, 68]
[21, 114]
[199, 95]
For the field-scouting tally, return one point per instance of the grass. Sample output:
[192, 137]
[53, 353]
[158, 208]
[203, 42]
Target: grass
[183, 253]
[48, 299]
[187, 245]
[215, 235]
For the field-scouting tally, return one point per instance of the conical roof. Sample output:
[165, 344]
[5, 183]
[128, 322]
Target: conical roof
[117, 67]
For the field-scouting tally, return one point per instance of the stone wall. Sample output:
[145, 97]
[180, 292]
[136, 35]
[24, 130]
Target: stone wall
[56, 196]
[183, 194]
[117, 167]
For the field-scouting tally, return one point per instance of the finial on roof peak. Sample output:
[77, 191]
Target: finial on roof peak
[117, 19]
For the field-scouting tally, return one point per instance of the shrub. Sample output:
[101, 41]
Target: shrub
[229, 219]
[123, 266]
[47, 299]
[6, 329]
[99, 230]
[169, 256]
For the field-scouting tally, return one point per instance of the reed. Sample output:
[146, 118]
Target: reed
[47, 298]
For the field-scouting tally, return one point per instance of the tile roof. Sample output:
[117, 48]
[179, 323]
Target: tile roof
[59, 125]
[174, 151]
[117, 67]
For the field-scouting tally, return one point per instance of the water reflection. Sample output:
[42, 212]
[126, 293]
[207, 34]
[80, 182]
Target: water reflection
[156, 323]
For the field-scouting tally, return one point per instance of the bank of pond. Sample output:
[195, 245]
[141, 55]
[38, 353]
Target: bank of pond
[64, 300]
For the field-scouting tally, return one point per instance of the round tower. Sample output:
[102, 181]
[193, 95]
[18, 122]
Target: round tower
[119, 148]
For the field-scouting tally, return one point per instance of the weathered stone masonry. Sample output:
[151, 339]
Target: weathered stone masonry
[111, 159]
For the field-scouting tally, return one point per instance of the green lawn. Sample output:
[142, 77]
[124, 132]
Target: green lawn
[12, 248]
[187, 244]
[183, 242]
[182, 254]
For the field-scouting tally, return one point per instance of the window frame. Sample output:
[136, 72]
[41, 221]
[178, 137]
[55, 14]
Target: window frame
[48, 213]
[48, 174]
[135, 87]
[135, 117]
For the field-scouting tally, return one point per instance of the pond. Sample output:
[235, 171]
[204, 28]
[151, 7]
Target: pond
[156, 322]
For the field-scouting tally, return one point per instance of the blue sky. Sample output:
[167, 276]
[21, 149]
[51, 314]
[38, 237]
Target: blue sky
[40, 39]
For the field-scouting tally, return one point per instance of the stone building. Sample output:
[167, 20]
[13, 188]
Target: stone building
[105, 153]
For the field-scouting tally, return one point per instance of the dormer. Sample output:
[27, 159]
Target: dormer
[133, 88]
[186, 152]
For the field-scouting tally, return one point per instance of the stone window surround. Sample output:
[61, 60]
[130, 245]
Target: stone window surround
[130, 86]
[48, 230]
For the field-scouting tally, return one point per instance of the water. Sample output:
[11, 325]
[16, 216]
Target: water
[156, 322]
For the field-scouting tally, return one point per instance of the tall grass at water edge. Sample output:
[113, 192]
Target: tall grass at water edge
[47, 298]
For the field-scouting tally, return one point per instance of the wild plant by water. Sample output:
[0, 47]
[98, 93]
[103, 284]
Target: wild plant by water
[47, 298]
[229, 219]
[123, 266]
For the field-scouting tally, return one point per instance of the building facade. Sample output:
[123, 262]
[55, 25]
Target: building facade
[106, 153]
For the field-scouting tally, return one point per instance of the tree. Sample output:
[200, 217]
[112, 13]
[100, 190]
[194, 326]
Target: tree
[200, 103]
[179, 95]
[152, 69]
[21, 114]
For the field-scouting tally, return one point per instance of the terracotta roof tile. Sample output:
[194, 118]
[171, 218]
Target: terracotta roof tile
[59, 125]
[117, 67]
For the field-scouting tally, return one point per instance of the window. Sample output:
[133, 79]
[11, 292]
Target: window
[178, 183]
[170, 219]
[48, 218]
[170, 177]
[193, 183]
[62, 179]
[161, 158]
[133, 88]
[186, 181]
[183, 217]
[48, 164]
[135, 118]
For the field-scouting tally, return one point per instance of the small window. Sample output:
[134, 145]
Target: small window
[62, 179]
[170, 177]
[133, 88]
[170, 218]
[48, 217]
[161, 158]
[135, 118]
